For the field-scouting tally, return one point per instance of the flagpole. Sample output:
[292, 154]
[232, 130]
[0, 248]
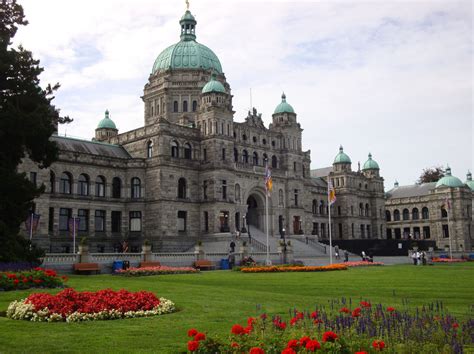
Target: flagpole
[74, 235]
[266, 212]
[31, 225]
[330, 233]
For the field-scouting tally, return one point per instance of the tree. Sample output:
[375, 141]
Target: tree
[27, 121]
[432, 174]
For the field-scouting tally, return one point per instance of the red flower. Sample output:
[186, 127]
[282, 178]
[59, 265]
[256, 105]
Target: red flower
[329, 336]
[288, 351]
[312, 345]
[365, 304]
[293, 343]
[316, 321]
[256, 350]
[314, 314]
[199, 336]
[304, 340]
[293, 321]
[192, 332]
[360, 353]
[390, 309]
[251, 321]
[237, 329]
[235, 345]
[455, 325]
[345, 310]
[356, 312]
[263, 316]
[248, 329]
[11, 276]
[16, 281]
[378, 344]
[193, 345]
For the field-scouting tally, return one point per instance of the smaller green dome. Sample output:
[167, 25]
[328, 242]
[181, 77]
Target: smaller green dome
[469, 180]
[449, 181]
[213, 86]
[106, 122]
[370, 164]
[283, 107]
[342, 157]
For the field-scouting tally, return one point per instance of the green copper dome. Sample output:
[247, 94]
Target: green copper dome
[213, 86]
[284, 107]
[449, 181]
[342, 157]
[469, 180]
[370, 164]
[106, 122]
[187, 53]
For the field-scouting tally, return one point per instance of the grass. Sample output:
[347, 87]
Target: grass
[213, 301]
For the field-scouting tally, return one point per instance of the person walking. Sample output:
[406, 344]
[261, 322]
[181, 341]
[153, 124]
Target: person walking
[232, 247]
[364, 256]
[346, 256]
[336, 251]
[414, 257]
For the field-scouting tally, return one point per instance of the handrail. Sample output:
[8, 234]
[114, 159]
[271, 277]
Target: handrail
[316, 244]
[260, 246]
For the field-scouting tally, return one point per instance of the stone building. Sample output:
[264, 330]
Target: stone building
[439, 211]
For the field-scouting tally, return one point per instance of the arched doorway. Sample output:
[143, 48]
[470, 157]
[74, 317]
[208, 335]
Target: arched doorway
[256, 211]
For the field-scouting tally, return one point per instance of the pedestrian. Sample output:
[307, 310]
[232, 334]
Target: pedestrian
[232, 247]
[423, 257]
[418, 258]
[231, 260]
[336, 251]
[237, 234]
[371, 257]
[346, 256]
[124, 247]
[414, 257]
[364, 257]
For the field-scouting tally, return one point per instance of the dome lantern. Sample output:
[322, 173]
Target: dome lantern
[342, 158]
[213, 85]
[449, 181]
[284, 107]
[469, 180]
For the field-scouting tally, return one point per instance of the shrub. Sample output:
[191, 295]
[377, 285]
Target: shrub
[35, 278]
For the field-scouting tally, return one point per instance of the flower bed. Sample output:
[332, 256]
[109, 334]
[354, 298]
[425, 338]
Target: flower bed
[363, 264]
[344, 328]
[273, 269]
[73, 306]
[35, 278]
[157, 271]
[448, 260]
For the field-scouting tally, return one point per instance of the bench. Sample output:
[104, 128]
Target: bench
[86, 267]
[150, 264]
[204, 264]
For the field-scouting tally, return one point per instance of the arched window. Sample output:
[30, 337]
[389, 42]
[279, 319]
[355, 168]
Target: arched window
[185, 106]
[182, 188]
[175, 106]
[388, 217]
[444, 213]
[237, 192]
[100, 186]
[195, 105]
[396, 215]
[255, 158]
[52, 182]
[116, 187]
[83, 184]
[315, 206]
[366, 209]
[244, 137]
[149, 149]
[236, 155]
[65, 183]
[188, 151]
[136, 188]
[361, 209]
[274, 162]
[245, 156]
[265, 159]
[425, 214]
[406, 214]
[280, 198]
[321, 207]
[174, 149]
[415, 214]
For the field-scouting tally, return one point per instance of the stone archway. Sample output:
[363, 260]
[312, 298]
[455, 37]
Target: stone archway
[256, 210]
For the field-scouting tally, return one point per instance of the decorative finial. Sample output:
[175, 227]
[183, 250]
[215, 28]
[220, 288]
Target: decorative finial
[107, 113]
[283, 97]
[370, 156]
[187, 5]
[340, 148]
[469, 175]
[395, 184]
[448, 170]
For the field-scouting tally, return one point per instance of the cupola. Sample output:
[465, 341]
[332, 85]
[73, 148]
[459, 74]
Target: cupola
[449, 180]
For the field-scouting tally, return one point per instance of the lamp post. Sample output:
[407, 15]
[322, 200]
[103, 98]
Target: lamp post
[243, 230]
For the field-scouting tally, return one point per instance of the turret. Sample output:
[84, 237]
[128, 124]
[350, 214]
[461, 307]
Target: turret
[106, 128]
[342, 162]
[371, 167]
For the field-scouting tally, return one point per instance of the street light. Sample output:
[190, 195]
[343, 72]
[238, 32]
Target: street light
[243, 230]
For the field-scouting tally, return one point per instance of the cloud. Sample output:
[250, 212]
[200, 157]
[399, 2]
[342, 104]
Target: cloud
[393, 78]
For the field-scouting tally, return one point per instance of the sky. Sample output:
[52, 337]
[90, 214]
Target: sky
[393, 78]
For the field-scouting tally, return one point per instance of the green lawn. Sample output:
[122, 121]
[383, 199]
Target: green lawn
[213, 301]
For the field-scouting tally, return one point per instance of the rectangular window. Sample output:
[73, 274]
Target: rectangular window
[99, 220]
[323, 230]
[339, 210]
[204, 190]
[51, 219]
[340, 230]
[315, 229]
[204, 154]
[369, 235]
[64, 215]
[116, 217]
[33, 177]
[223, 154]
[206, 221]
[224, 189]
[296, 197]
[181, 220]
[83, 215]
[135, 221]
[445, 231]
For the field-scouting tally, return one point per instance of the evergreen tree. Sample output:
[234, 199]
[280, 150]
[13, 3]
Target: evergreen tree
[433, 174]
[27, 121]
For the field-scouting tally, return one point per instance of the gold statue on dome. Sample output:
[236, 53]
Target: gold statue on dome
[187, 4]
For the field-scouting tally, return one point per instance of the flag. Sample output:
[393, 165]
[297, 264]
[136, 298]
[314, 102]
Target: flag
[268, 180]
[331, 193]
